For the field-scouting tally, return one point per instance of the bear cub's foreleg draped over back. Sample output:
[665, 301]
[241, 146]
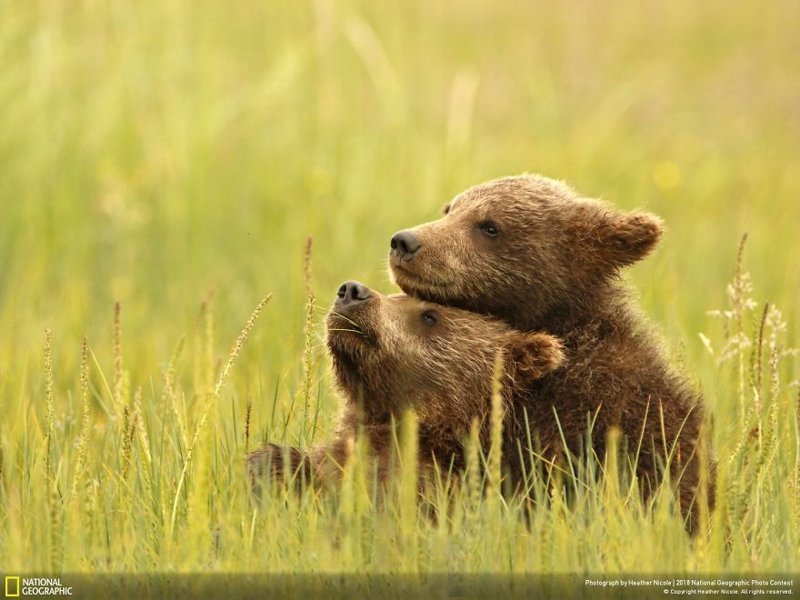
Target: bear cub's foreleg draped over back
[532, 252]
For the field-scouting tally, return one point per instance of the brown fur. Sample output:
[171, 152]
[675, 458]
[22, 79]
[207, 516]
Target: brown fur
[388, 357]
[532, 252]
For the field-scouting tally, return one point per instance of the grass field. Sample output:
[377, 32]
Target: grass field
[174, 157]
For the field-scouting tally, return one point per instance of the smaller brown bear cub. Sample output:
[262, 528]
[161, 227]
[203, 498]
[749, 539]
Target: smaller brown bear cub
[395, 353]
[531, 251]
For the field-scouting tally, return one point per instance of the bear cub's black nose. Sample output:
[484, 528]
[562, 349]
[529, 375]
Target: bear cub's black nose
[404, 244]
[351, 293]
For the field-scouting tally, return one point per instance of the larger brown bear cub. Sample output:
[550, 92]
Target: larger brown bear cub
[395, 353]
[534, 253]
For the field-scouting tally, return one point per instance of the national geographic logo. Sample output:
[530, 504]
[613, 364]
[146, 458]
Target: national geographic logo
[12, 587]
[16, 586]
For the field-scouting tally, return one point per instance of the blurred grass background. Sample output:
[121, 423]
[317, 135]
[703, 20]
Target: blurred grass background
[151, 151]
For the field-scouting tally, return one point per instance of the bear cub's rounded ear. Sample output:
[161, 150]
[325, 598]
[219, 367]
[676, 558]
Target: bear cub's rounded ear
[533, 355]
[629, 237]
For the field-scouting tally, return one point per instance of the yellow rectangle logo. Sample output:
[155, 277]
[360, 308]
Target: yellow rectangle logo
[12, 587]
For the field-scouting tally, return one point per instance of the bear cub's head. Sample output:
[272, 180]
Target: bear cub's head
[520, 248]
[392, 353]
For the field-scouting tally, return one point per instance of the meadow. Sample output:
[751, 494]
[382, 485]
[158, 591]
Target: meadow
[163, 165]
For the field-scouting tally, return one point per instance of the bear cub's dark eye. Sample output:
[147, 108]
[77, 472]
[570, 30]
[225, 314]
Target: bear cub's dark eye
[430, 318]
[446, 209]
[489, 228]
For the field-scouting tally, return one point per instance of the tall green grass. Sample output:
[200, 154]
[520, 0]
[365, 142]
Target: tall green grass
[154, 481]
[174, 155]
